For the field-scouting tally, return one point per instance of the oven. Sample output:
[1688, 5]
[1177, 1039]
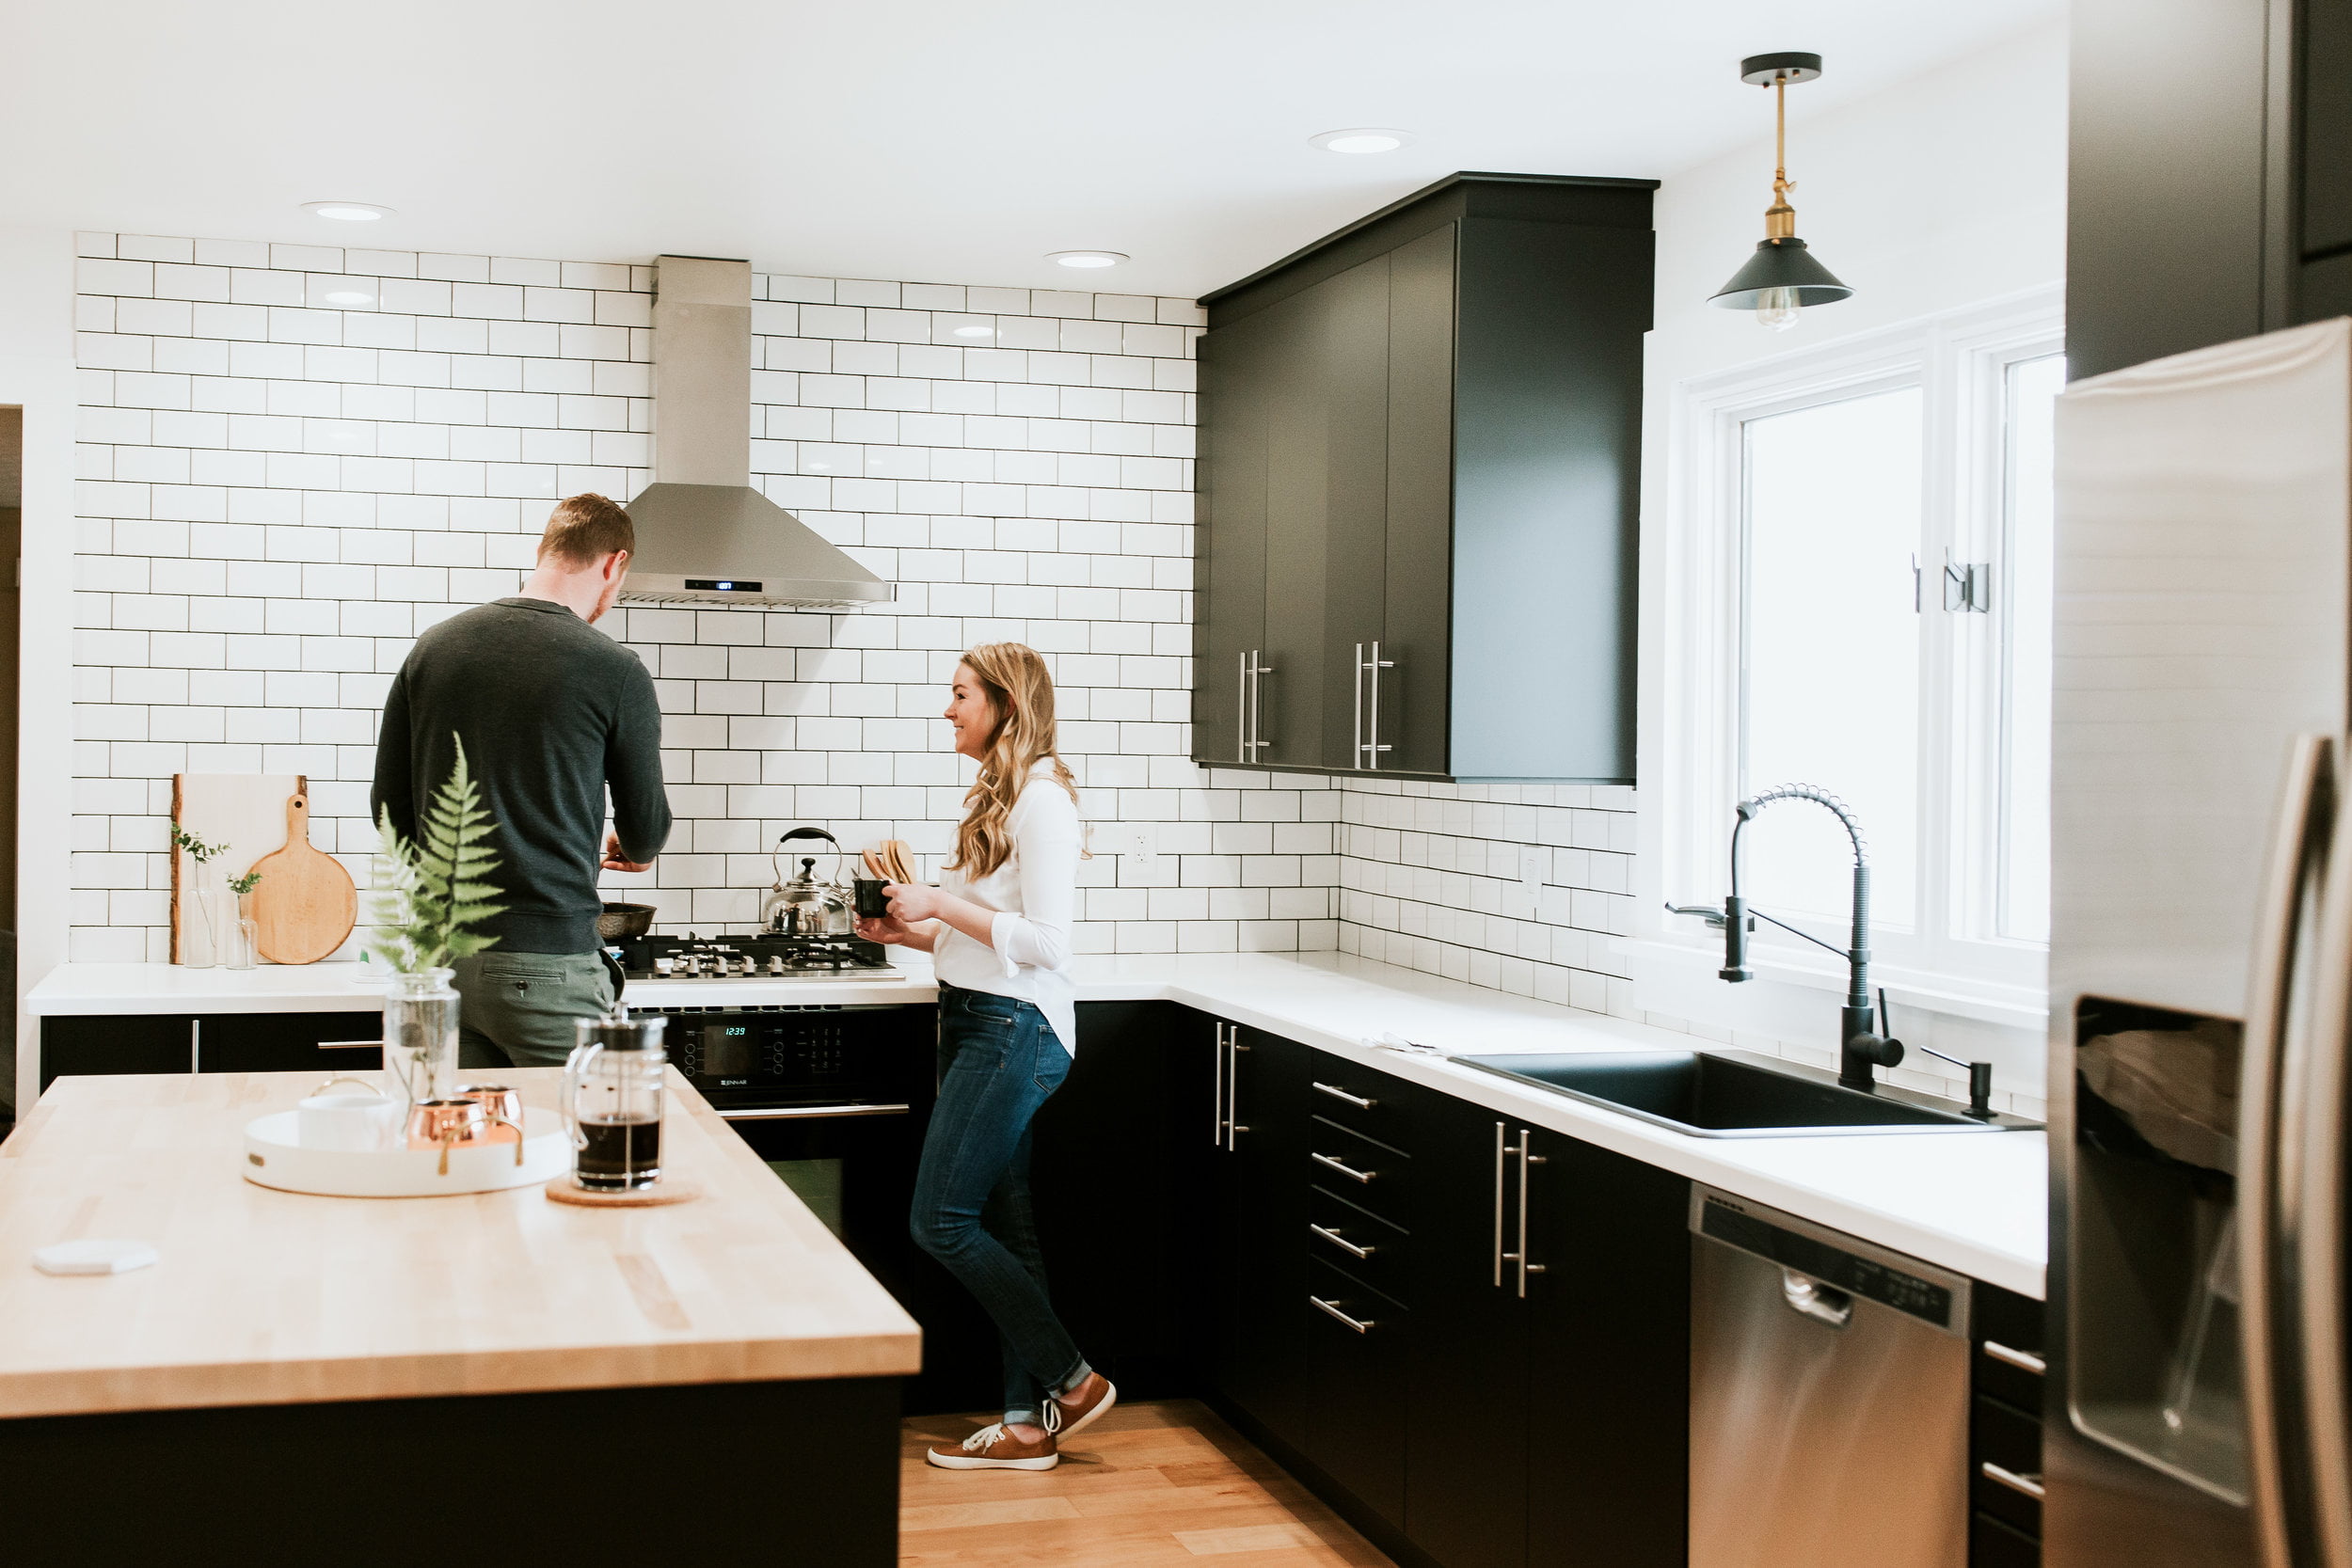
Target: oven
[835, 1099]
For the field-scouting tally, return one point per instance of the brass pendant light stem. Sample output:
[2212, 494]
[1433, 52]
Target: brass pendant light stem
[1780, 219]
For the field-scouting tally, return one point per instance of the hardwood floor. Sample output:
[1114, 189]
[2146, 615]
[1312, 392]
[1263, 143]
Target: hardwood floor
[1147, 1485]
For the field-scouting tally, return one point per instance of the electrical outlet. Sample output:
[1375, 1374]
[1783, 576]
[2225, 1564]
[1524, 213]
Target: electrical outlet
[1530, 880]
[1140, 844]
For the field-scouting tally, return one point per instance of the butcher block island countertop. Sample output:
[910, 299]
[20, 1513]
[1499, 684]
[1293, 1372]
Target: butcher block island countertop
[269, 1298]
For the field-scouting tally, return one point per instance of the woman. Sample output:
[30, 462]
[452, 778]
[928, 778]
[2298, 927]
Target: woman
[1007, 1027]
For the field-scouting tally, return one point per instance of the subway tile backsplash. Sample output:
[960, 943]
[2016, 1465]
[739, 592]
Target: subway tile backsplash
[295, 458]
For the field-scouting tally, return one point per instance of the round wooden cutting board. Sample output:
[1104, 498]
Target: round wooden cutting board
[305, 904]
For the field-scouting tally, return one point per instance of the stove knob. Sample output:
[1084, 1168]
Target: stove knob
[775, 963]
[661, 967]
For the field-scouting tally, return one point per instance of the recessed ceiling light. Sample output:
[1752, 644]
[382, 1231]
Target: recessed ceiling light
[976, 332]
[349, 296]
[1364, 138]
[347, 212]
[1086, 258]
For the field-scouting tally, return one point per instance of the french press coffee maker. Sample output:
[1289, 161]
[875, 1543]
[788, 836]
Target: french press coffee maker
[613, 1102]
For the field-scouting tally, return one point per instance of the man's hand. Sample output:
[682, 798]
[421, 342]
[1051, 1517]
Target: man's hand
[613, 861]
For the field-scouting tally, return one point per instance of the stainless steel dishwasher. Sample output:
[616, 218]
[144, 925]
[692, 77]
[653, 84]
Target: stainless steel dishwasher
[1829, 1397]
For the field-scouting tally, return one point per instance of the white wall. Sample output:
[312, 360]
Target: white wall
[278, 494]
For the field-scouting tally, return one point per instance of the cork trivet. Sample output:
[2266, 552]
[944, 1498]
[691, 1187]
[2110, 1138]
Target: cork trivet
[561, 1191]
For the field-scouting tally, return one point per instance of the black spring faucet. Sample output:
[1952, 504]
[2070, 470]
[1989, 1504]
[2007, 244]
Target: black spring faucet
[1861, 1048]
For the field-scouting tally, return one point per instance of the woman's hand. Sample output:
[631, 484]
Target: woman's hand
[913, 901]
[889, 932]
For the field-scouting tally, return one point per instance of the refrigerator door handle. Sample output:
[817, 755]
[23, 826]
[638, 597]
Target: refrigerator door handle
[2295, 861]
[2313, 1083]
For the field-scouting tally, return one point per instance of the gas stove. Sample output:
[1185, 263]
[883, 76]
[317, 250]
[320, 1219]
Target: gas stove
[760, 955]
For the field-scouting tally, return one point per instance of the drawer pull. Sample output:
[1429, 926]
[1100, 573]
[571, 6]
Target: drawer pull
[349, 1045]
[2024, 1360]
[1367, 1324]
[1341, 1242]
[1356, 1099]
[2029, 1485]
[1353, 1174]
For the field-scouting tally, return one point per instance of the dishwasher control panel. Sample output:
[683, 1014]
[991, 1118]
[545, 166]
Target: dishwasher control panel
[1855, 1267]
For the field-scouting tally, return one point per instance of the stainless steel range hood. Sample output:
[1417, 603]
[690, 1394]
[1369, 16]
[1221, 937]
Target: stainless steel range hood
[704, 535]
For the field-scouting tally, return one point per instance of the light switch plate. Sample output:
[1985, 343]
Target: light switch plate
[1530, 880]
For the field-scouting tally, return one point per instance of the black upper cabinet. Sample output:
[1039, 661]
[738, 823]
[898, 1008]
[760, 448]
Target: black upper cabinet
[2209, 174]
[1420, 446]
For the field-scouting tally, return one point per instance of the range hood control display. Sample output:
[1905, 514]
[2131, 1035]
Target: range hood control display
[722, 585]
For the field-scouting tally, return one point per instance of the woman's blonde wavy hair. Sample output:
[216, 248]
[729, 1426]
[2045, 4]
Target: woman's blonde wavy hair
[1021, 693]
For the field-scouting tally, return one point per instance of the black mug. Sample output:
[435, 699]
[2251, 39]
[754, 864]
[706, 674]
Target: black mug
[872, 902]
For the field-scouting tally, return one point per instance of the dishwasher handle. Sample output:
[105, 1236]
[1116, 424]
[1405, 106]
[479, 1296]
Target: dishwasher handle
[1823, 1304]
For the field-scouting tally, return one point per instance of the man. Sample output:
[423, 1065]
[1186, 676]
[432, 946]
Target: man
[552, 713]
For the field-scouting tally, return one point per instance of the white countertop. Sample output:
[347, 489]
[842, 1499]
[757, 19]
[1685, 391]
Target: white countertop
[1975, 1202]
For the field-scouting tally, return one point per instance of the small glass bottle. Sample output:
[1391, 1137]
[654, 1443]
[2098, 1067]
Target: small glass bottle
[201, 937]
[243, 937]
[613, 1102]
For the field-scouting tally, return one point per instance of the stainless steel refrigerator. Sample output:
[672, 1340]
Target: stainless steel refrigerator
[2201, 965]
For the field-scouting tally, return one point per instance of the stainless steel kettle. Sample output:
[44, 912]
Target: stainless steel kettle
[804, 905]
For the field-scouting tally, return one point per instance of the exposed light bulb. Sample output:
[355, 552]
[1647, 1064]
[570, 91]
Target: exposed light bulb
[1776, 309]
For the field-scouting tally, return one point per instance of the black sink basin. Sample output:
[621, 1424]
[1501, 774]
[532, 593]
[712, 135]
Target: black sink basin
[1737, 1094]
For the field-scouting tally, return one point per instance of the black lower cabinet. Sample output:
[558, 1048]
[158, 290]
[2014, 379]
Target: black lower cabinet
[1120, 1151]
[326, 1043]
[1467, 1439]
[1609, 1359]
[1358, 1354]
[1256, 1258]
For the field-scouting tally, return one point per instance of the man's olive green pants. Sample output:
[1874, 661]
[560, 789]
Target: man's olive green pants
[519, 1008]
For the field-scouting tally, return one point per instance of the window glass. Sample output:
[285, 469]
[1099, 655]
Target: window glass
[2029, 406]
[1831, 656]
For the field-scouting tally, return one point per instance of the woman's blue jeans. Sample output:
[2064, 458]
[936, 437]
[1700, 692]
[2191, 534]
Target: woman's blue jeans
[999, 1062]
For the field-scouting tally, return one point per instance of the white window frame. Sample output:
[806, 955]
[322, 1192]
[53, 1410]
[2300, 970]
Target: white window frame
[1953, 962]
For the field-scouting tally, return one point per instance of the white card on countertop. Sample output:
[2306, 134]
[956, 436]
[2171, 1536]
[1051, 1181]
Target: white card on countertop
[102, 1256]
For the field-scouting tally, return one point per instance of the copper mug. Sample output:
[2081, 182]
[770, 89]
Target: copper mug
[447, 1123]
[501, 1104]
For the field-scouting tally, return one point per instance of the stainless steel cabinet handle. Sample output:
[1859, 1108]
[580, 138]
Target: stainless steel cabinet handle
[1501, 1141]
[1341, 1242]
[1362, 1325]
[1527, 1158]
[196, 1045]
[2029, 1485]
[1240, 734]
[1253, 672]
[813, 1113]
[1217, 1095]
[349, 1045]
[1368, 752]
[2024, 1360]
[1354, 1100]
[1352, 1174]
[1234, 1049]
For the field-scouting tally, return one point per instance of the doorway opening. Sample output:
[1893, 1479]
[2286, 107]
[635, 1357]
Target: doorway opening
[11, 577]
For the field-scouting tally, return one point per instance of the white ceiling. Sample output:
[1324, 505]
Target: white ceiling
[926, 139]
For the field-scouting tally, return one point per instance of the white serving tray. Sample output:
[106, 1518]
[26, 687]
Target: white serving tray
[273, 1158]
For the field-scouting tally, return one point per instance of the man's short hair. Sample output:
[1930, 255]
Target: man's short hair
[584, 528]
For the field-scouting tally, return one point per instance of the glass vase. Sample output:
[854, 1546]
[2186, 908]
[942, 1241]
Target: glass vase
[201, 936]
[242, 936]
[420, 1032]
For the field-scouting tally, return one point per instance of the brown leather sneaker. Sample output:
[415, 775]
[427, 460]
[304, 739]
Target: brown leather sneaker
[994, 1447]
[1066, 1415]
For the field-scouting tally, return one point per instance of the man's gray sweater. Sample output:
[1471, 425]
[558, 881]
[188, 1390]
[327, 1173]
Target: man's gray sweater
[551, 710]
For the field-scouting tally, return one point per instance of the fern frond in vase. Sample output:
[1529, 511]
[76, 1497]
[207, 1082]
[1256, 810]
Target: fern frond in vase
[429, 895]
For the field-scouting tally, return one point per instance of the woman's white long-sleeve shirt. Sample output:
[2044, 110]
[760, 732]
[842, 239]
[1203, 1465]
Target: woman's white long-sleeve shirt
[1035, 898]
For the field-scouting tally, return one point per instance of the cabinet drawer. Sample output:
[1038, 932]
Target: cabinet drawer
[1370, 1175]
[2011, 1441]
[1357, 1343]
[1359, 1099]
[2009, 1342]
[1994, 1545]
[1358, 1242]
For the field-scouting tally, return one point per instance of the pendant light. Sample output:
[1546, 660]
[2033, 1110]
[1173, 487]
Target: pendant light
[1782, 278]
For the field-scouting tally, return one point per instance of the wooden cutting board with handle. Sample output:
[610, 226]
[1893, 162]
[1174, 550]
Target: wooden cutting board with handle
[305, 904]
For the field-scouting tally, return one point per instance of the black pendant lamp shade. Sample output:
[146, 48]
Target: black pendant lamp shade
[1782, 278]
[1781, 264]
